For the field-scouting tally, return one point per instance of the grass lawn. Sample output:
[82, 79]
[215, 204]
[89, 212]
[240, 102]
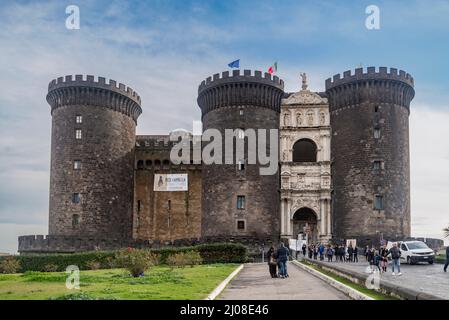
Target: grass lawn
[159, 283]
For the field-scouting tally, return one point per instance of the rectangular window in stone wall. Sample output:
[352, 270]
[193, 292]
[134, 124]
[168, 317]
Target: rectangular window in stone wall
[78, 134]
[79, 119]
[377, 165]
[240, 225]
[76, 198]
[240, 202]
[77, 164]
[75, 220]
[378, 202]
[376, 133]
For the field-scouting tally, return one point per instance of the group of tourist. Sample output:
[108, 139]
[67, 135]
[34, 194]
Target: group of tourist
[377, 257]
[341, 253]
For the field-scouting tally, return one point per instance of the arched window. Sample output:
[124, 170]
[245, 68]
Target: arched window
[140, 164]
[304, 150]
[148, 163]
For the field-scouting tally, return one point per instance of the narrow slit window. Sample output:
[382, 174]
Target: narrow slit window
[378, 202]
[75, 220]
[376, 133]
[77, 165]
[76, 198]
[241, 202]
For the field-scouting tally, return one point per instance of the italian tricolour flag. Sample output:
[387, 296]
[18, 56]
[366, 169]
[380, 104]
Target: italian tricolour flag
[273, 68]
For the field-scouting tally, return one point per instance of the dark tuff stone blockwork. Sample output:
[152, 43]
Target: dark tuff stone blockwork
[361, 104]
[240, 101]
[106, 154]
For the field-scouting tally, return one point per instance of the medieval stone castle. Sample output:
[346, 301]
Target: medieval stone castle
[343, 168]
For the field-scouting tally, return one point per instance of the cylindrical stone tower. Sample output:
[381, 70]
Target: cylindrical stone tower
[238, 201]
[370, 154]
[92, 157]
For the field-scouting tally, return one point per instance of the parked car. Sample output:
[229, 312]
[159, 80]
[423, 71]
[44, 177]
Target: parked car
[416, 251]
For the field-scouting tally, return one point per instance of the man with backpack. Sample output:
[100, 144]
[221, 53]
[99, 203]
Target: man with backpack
[282, 258]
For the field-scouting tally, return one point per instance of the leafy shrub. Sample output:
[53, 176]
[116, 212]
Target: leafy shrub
[110, 263]
[9, 265]
[136, 261]
[37, 262]
[93, 265]
[183, 259]
[51, 267]
[210, 253]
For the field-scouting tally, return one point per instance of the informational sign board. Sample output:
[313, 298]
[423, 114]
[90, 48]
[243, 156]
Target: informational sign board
[293, 244]
[352, 242]
[171, 182]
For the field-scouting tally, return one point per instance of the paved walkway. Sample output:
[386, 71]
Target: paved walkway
[422, 277]
[254, 283]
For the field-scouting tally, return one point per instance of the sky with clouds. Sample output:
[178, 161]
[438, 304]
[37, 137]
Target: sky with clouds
[163, 49]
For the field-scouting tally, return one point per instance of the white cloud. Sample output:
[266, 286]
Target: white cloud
[164, 63]
[429, 156]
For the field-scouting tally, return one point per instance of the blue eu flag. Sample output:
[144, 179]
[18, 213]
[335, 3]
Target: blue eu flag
[234, 64]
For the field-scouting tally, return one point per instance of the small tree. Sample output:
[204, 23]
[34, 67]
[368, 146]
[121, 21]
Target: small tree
[136, 261]
[9, 265]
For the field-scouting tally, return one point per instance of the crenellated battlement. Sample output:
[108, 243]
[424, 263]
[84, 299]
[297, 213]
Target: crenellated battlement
[240, 90]
[248, 76]
[371, 74]
[80, 90]
[89, 81]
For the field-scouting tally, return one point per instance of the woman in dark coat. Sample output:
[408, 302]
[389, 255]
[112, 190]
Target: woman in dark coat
[272, 264]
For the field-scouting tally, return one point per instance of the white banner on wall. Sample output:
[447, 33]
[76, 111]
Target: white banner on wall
[171, 182]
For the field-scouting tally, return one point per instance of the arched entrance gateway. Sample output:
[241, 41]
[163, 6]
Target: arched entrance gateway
[305, 225]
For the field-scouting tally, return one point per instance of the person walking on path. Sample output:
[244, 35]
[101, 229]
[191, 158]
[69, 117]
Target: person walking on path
[272, 264]
[337, 252]
[310, 251]
[321, 251]
[384, 259]
[377, 259]
[342, 253]
[355, 254]
[350, 253]
[315, 252]
[367, 250]
[396, 255]
[329, 253]
[282, 258]
[447, 259]
[371, 258]
[304, 247]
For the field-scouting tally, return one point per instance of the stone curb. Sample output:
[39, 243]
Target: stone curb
[386, 287]
[352, 293]
[219, 289]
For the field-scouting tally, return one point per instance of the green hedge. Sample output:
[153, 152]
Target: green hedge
[210, 253]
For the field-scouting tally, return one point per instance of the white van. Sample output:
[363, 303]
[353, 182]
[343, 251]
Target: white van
[416, 251]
